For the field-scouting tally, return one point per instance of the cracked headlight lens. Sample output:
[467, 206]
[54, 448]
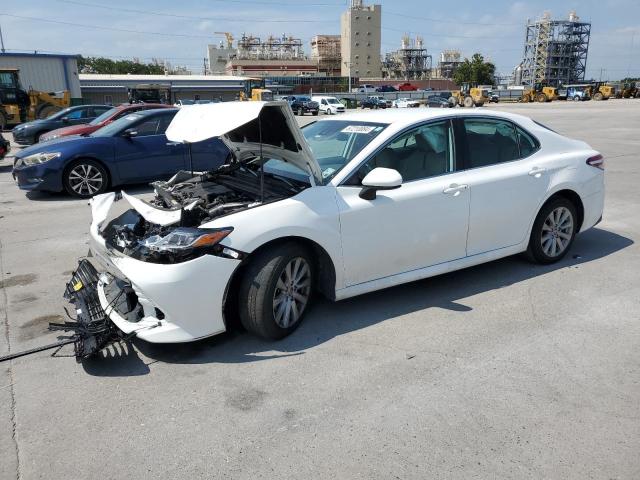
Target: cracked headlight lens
[38, 158]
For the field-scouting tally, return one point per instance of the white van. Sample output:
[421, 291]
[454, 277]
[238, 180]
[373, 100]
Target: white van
[366, 88]
[329, 105]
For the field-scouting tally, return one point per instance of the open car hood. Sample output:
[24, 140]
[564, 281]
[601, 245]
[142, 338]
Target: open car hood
[242, 126]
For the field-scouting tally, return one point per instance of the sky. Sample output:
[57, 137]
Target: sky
[180, 31]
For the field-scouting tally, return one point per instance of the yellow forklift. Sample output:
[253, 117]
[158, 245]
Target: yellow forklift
[539, 93]
[469, 96]
[18, 105]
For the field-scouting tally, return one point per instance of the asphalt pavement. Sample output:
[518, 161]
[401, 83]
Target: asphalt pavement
[505, 370]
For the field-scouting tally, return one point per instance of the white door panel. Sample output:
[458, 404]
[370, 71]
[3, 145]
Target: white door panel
[414, 226]
[504, 199]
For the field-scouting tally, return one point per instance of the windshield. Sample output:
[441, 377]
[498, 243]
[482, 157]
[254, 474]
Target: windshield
[335, 143]
[105, 116]
[304, 99]
[117, 126]
[332, 101]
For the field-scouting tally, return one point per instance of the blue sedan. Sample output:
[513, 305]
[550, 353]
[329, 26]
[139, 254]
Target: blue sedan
[133, 149]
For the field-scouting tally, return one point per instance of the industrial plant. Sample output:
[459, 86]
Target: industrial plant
[555, 51]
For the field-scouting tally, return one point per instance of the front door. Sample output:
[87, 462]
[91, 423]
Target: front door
[149, 155]
[420, 224]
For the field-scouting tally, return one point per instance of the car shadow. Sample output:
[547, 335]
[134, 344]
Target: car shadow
[327, 320]
[135, 189]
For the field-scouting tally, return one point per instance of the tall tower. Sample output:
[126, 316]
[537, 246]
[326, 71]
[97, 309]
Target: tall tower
[555, 51]
[361, 40]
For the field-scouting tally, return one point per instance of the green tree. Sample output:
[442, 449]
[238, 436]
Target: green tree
[475, 71]
[108, 66]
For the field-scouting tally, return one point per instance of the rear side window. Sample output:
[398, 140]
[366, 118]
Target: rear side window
[528, 144]
[490, 142]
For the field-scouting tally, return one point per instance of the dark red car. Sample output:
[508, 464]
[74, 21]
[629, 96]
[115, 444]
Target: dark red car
[99, 122]
[407, 87]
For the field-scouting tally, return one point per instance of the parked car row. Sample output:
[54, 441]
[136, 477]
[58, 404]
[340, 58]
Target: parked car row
[130, 149]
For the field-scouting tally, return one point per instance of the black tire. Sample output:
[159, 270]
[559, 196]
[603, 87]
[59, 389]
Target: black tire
[315, 114]
[535, 251]
[259, 287]
[577, 98]
[300, 112]
[70, 178]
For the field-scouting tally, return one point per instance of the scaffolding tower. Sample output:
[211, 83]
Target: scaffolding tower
[555, 51]
[411, 62]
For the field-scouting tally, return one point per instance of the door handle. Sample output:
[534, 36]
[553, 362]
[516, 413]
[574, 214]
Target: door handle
[537, 171]
[454, 189]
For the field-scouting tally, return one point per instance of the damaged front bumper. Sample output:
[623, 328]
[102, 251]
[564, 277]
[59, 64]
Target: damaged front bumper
[159, 303]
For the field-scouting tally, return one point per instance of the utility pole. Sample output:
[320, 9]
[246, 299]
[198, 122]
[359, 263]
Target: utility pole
[1, 40]
[348, 65]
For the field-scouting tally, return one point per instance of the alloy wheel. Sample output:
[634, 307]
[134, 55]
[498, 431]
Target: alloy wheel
[557, 232]
[292, 292]
[85, 179]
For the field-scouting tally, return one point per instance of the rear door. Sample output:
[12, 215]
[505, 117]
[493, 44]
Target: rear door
[149, 155]
[506, 174]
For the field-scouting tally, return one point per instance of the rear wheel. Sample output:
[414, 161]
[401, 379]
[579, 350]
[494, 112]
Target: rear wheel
[577, 98]
[468, 102]
[85, 178]
[276, 290]
[553, 231]
[598, 96]
[541, 98]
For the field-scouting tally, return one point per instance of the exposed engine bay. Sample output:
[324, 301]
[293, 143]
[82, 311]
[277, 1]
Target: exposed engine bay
[195, 199]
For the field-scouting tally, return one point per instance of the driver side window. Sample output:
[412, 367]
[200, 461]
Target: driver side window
[426, 151]
[147, 127]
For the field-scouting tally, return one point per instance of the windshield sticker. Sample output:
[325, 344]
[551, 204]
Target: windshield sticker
[328, 172]
[358, 129]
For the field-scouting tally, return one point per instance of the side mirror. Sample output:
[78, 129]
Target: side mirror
[379, 179]
[130, 133]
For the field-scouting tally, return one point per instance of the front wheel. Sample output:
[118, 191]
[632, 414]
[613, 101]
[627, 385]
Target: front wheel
[276, 290]
[576, 98]
[85, 178]
[553, 231]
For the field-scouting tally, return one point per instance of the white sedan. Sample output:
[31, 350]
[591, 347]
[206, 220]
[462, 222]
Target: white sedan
[405, 103]
[340, 208]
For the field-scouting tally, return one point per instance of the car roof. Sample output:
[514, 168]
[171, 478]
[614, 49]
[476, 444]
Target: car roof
[406, 117]
[143, 106]
[154, 111]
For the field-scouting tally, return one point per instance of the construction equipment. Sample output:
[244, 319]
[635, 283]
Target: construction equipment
[469, 96]
[150, 93]
[254, 90]
[18, 105]
[628, 90]
[539, 93]
[229, 37]
[602, 91]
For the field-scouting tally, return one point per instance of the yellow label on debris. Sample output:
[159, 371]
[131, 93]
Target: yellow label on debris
[78, 286]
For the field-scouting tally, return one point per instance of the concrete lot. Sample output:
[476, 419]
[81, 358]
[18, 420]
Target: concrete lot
[506, 370]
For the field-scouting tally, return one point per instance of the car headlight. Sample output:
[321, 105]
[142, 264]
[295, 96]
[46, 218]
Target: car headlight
[177, 246]
[49, 137]
[38, 158]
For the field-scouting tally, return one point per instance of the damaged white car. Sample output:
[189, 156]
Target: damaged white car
[341, 207]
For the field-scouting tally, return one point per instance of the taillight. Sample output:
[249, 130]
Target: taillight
[596, 161]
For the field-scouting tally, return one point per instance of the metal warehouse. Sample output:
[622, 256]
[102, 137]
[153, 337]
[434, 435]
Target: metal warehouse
[46, 72]
[112, 89]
